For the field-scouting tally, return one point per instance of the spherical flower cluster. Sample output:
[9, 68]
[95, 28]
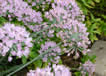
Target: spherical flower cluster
[88, 67]
[19, 9]
[75, 34]
[53, 55]
[58, 70]
[14, 39]
[69, 18]
[65, 9]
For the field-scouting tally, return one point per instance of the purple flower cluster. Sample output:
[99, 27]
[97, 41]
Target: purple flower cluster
[75, 34]
[58, 70]
[14, 39]
[65, 9]
[88, 67]
[61, 70]
[19, 9]
[69, 18]
[53, 55]
[40, 72]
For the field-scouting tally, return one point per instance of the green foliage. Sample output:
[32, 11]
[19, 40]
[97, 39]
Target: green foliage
[77, 74]
[87, 57]
[38, 63]
[24, 59]
[93, 27]
[2, 20]
[103, 28]
[34, 54]
[60, 61]
[95, 17]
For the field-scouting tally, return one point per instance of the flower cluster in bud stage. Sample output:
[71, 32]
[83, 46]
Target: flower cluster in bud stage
[58, 70]
[14, 39]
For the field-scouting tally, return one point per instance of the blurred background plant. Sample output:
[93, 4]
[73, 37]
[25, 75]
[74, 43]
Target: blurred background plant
[95, 17]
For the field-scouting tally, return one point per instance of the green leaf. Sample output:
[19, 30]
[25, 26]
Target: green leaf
[84, 59]
[24, 59]
[33, 54]
[60, 61]
[87, 57]
[92, 58]
[97, 19]
[77, 73]
[93, 37]
[97, 1]
[87, 74]
[86, 4]
[91, 2]
[2, 20]
[97, 32]
[38, 63]
[82, 6]
[44, 64]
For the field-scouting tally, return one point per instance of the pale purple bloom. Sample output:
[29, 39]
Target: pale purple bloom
[58, 70]
[9, 59]
[40, 72]
[89, 67]
[20, 35]
[33, 4]
[21, 10]
[71, 21]
[61, 70]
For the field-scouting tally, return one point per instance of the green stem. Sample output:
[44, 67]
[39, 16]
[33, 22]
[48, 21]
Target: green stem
[39, 57]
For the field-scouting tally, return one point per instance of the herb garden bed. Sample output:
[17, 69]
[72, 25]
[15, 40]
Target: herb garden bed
[48, 37]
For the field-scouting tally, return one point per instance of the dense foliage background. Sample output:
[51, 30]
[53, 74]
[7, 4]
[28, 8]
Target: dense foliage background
[95, 17]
